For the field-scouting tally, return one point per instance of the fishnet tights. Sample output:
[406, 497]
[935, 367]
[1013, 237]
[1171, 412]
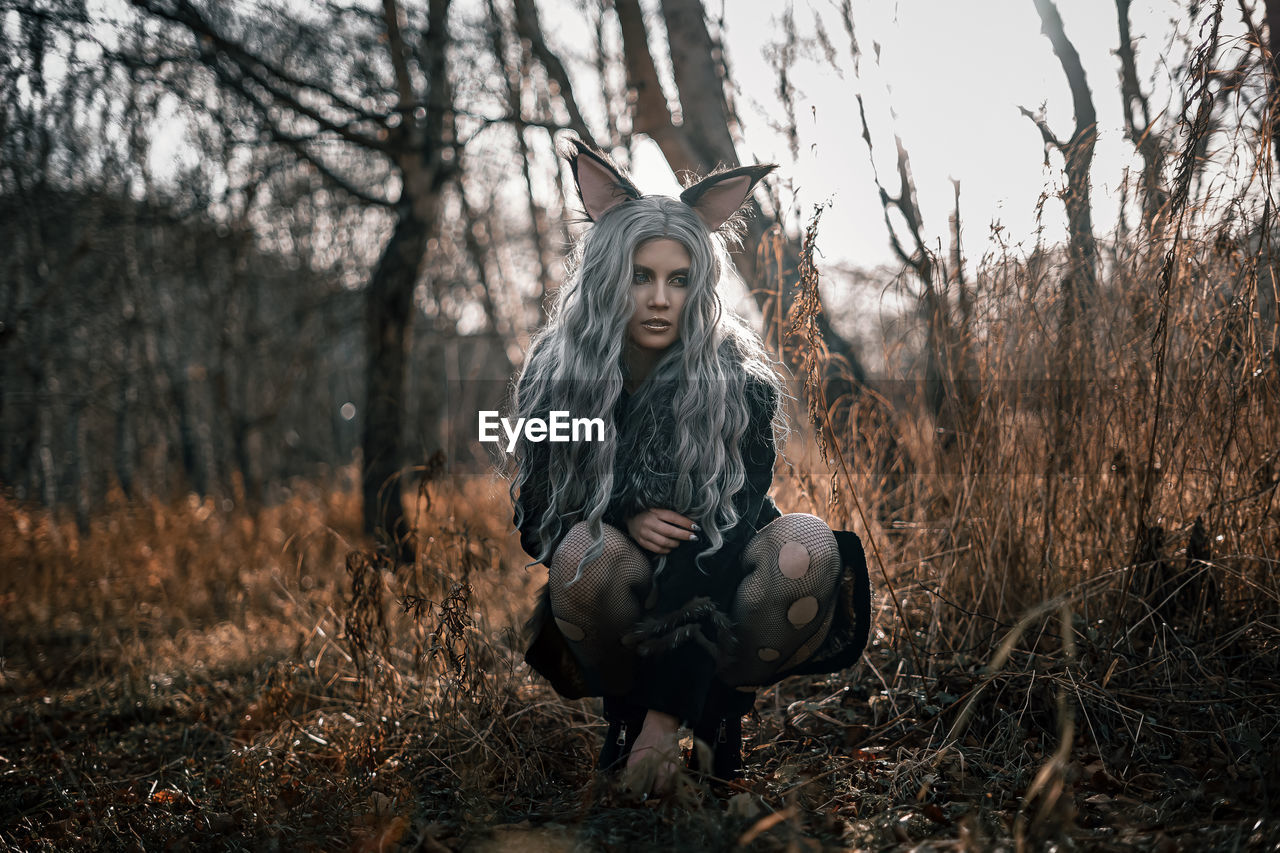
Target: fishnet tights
[595, 611]
[781, 610]
[783, 606]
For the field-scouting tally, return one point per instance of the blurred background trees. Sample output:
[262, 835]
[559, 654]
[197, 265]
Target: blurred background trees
[244, 242]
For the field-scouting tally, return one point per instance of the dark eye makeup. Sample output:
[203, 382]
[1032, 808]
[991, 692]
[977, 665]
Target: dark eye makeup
[679, 278]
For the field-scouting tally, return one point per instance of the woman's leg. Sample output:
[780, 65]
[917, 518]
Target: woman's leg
[783, 606]
[596, 610]
[593, 613]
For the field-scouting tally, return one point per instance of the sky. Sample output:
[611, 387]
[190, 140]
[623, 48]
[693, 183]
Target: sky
[950, 78]
[954, 74]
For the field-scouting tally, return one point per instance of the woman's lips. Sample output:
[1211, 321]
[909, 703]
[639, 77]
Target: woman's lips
[656, 325]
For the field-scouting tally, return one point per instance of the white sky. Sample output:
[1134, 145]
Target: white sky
[954, 71]
[958, 70]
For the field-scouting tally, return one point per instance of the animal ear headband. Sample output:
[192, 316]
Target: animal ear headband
[603, 186]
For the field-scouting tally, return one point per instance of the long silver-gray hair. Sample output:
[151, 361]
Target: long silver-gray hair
[575, 364]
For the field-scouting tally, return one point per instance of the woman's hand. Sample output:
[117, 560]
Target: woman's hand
[661, 530]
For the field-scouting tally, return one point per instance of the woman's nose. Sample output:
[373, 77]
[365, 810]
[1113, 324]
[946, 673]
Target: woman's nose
[659, 296]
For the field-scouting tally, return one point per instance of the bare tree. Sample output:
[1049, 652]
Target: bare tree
[516, 81]
[1273, 79]
[406, 125]
[1139, 126]
[1080, 282]
[945, 346]
[702, 141]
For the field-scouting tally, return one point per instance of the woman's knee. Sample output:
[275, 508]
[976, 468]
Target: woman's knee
[619, 560]
[801, 525]
[603, 600]
[804, 543]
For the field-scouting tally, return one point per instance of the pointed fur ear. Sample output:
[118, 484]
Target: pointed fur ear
[601, 184]
[718, 197]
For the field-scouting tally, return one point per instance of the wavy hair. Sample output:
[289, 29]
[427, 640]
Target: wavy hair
[575, 363]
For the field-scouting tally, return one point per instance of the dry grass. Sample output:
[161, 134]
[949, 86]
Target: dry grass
[1077, 641]
[1067, 651]
[188, 675]
[1053, 662]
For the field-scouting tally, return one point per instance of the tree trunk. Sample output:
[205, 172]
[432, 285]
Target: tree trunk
[703, 108]
[703, 142]
[1149, 143]
[1080, 282]
[1273, 79]
[530, 31]
[649, 113]
[80, 473]
[389, 306]
[124, 438]
[388, 320]
[180, 397]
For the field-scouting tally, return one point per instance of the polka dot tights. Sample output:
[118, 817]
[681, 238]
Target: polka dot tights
[781, 610]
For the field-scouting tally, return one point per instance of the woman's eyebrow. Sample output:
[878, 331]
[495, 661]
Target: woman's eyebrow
[642, 268]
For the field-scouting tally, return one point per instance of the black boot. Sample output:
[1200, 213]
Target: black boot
[625, 722]
[724, 736]
[720, 728]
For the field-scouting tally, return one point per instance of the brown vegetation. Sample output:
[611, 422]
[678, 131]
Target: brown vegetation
[1072, 521]
[193, 675]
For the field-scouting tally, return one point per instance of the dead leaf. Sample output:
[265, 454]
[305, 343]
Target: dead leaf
[765, 824]
[934, 812]
[743, 805]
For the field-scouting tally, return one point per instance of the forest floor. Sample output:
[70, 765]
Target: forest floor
[189, 677]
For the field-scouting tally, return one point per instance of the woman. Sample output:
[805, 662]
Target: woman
[675, 586]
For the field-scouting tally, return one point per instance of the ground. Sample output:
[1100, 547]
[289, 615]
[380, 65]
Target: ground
[189, 676]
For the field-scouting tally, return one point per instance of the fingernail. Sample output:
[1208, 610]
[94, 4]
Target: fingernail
[693, 537]
[695, 525]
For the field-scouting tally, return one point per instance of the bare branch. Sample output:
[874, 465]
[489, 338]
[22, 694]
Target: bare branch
[529, 27]
[1131, 93]
[1273, 80]
[1080, 282]
[1081, 98]
[392, 16]
[1148, 142]
[297, 144]
[213, 44]
[434, 59]
[1046, 132]
[906, 199]
[497, 38]
[486, 122]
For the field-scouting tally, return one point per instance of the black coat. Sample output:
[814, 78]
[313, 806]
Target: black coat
[686, 633]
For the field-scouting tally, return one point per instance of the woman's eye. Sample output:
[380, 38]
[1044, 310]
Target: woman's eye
[679, 281]
[639, 277]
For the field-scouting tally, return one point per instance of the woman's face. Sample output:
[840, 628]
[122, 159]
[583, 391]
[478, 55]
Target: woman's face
[659, 285]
